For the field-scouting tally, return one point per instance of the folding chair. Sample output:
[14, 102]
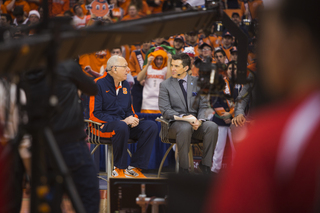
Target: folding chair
[164, 138]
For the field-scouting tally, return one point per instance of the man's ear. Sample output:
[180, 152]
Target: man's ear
[186, 68]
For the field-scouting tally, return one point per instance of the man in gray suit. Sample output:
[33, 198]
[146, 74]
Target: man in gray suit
[176, 98]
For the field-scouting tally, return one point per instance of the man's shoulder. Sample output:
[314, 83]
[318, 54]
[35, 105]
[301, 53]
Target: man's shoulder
[167, 82]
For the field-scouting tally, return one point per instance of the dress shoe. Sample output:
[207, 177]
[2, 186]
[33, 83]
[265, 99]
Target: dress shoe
[205, 169]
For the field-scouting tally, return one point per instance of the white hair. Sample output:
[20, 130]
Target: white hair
[112, 62]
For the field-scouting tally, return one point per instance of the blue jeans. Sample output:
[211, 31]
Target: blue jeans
[84, 174]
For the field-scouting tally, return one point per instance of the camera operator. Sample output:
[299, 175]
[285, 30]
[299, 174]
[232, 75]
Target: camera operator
[66, 120]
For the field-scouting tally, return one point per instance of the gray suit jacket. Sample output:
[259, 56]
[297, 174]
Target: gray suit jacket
[171, 99]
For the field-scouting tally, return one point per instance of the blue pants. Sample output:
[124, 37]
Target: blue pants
[146, 133]
[84, 174]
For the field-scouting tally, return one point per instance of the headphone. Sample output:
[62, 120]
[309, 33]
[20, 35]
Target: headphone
[183, 72]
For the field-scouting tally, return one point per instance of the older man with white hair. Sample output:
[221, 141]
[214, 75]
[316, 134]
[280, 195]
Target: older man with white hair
[112, 106]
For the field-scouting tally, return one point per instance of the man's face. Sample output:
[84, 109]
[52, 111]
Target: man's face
[227, 40]
[158, 61]
[78, 11]
[193, 38]
[178, 44]
[177, 69]
[206, 51]
[132, 11]
[3, 21]
[146, 46]
[121, 69]
[158, 41]
[220, 58]
[236, 19]
[234, 56]
[34, 19]
[116, 52]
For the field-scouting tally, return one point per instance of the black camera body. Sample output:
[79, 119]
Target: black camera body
[209, 81]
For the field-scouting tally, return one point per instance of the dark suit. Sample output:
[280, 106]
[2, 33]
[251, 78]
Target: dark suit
[172, 102]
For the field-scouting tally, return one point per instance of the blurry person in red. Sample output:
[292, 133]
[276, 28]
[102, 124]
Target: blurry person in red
[276, 168]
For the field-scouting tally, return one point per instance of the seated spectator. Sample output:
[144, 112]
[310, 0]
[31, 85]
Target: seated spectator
[83, 6]
[58, 7]
[237, 19]
[156, 71]
[5, 20]
[178, 44]
[193, 70]
[112, 106]
[192, 41]
[20, 18]
[33, 19]
[214, 38]
[226, 44]
[234, 54]
[221, 60]
[223, 113]
[11, 4]
[141, 5]
[132, 13]
[206, 52]
[117, 12]
[158, 41]
[79, 19]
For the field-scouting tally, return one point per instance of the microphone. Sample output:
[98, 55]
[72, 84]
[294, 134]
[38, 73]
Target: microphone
[182, 73]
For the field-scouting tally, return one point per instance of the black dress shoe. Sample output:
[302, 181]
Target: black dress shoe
[205, 169]
[183, 171]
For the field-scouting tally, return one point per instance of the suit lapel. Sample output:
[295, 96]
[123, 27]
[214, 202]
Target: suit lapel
[176, 86]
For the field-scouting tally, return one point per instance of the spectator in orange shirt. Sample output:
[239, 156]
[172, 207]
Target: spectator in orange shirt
[226, 45]
[117, 12]
[221, 60]
[214, 38]
[178, 44]
[11, 4]
[141, 5]
[59, 7]
[20, 17]
[234, 54]
[192, 41]
[133, 13]
[249, 8]
[79, 19]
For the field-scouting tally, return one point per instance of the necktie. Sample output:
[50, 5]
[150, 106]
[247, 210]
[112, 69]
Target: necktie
[183, 91]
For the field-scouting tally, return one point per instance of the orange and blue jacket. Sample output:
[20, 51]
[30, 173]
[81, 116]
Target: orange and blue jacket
[106, 106]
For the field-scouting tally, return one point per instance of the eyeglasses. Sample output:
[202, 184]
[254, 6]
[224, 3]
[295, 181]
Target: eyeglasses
[206, 49]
